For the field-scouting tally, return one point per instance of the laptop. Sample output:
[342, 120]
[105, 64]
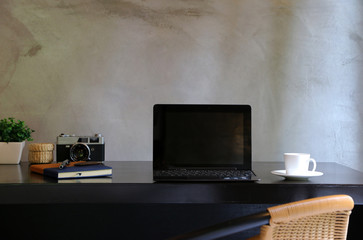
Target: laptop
[202, 142]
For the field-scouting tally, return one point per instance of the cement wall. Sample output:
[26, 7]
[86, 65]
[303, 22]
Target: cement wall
[87, 66]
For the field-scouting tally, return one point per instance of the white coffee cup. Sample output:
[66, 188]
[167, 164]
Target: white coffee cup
[298, 163]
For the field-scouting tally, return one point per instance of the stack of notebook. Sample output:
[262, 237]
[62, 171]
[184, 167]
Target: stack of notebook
[72, 170]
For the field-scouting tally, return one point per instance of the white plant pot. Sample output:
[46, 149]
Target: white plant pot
[10, 153]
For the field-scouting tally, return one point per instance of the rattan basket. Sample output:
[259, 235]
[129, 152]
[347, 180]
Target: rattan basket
[40, 153]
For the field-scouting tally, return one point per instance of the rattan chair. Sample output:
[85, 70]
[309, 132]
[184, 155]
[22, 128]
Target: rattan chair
[316, 218]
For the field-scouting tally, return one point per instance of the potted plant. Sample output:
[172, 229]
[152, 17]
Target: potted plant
[12, 140]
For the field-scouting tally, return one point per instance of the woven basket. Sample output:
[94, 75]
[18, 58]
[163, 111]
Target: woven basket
[40, 153]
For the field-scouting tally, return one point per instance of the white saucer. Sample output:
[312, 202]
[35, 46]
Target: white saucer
[309, 174]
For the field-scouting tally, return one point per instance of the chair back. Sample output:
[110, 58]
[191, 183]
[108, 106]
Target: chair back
[316, 218]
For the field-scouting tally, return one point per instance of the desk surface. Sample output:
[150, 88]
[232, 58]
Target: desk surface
[132, 183]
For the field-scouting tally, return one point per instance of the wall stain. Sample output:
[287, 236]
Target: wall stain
[283, 7]
[189, 12]
[15, 39]
[155, 17]
[356, 38]
[123, 9]
[33, 50]
[351, 60]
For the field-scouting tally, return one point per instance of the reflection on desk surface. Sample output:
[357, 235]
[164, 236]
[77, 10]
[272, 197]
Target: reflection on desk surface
[11, 173]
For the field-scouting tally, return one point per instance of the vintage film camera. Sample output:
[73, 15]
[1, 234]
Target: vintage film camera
[80, 148]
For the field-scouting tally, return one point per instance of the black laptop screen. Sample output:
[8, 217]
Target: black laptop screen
[202, 136]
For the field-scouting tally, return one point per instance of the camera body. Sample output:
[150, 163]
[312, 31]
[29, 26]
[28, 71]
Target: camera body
[80, 148]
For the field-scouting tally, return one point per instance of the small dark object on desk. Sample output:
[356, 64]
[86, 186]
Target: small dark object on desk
[88, 163]
[64, 164]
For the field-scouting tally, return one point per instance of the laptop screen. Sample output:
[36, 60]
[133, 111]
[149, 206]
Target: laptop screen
[189, 136]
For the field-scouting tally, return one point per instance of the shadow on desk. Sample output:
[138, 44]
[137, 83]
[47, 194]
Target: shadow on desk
[97, 221]
[127, 221]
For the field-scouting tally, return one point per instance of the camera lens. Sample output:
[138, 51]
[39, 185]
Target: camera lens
[80, 152]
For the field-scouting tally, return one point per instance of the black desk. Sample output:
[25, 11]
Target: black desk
[130, 203]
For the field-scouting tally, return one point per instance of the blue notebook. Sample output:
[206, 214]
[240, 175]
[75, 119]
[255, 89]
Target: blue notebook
[86, 171]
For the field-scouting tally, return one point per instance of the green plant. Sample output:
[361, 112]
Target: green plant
[14, 131]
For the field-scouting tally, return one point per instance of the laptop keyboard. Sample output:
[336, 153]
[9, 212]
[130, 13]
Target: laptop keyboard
[203, 174]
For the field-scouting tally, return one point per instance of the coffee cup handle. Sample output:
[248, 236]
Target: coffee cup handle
[314, 164]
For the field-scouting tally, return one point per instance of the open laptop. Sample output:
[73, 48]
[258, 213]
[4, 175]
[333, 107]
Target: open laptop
[200, 142]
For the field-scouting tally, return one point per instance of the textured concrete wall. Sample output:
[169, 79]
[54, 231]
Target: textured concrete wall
[87, 66]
